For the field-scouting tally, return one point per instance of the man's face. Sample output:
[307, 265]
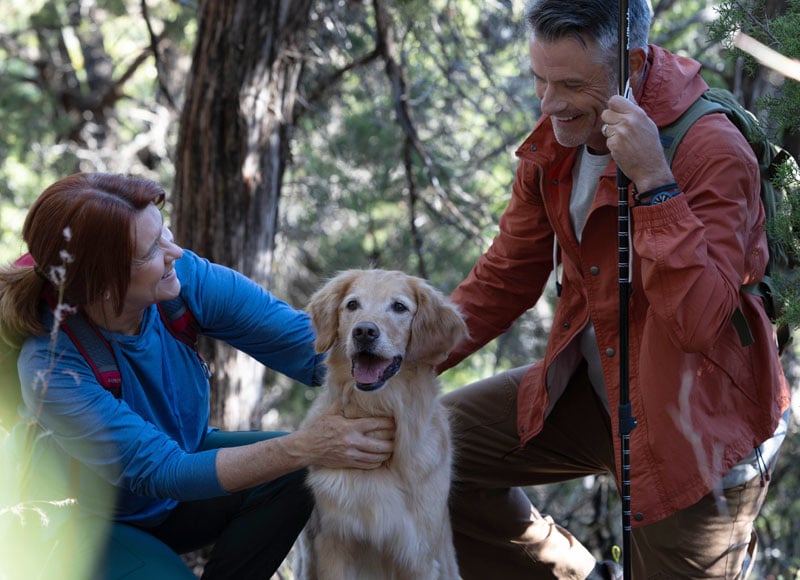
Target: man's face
[573, 82]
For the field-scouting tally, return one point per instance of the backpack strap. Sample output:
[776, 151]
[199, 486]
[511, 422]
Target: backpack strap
[97, 351]
[671, 136]
[182, 324]
[92, 345]
[180, 321]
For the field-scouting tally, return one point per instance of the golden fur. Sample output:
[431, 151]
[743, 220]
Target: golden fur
[391, 522]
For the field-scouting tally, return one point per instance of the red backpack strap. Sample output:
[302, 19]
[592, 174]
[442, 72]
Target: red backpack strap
[86, 337]
[182, 324]
[92, 345]
[97, 351]
[25, 260]
[180, 321]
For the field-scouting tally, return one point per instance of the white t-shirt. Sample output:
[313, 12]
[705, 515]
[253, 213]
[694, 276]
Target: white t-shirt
[585, 176]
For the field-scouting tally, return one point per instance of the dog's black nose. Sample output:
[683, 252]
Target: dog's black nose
[365, 332]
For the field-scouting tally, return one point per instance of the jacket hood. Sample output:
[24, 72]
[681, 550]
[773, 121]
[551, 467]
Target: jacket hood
[672, 83]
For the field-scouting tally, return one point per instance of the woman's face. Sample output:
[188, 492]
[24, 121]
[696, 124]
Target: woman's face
[153, 277]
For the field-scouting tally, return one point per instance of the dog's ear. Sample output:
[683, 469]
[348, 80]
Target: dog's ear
[324, 308]
[437, 327]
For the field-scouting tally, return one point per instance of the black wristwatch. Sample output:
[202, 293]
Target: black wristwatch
[663, 196]
[656, 195]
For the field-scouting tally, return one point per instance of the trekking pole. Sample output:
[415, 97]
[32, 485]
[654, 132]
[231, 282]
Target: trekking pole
[626, 420]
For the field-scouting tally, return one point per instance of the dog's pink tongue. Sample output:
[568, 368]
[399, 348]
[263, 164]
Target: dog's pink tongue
[368, 370]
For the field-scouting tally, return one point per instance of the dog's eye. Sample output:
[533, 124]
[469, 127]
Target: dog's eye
[399, 307]
[352, 305]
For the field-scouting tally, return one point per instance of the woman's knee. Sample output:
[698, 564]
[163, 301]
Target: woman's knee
[132, 553]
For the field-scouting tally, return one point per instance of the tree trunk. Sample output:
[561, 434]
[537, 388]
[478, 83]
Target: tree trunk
[232, 152]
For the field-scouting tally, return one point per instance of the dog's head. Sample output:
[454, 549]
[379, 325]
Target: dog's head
[380, 319]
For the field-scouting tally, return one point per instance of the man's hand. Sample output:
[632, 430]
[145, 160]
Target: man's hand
[632, 137]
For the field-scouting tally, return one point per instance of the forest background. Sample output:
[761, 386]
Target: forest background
[297, 138]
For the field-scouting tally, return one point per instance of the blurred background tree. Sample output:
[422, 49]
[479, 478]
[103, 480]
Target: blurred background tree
[298, 138]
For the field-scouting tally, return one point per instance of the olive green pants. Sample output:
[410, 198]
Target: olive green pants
[499, 534]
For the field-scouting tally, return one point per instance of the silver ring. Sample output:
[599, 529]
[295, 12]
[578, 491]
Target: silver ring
[604, 130]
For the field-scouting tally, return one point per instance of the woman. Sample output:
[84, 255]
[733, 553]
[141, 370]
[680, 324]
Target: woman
[99, 243]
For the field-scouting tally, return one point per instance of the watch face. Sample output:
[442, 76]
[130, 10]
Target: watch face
[660, 198]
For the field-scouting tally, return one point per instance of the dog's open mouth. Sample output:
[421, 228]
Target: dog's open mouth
[371, 371]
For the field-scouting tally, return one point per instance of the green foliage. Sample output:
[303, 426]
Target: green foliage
[780, 107]
[679, 26]
[784, 108]
[470, 103]
[52, 106]
[42, 535]
[784, 227]
[777, 522]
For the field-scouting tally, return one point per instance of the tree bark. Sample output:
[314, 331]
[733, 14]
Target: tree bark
[232, 151]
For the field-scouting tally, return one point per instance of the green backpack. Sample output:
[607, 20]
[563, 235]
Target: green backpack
[780, 194]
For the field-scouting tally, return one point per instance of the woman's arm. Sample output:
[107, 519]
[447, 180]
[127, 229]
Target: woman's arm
[330, 441]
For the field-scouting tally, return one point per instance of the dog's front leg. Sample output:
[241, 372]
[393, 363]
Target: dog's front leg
[334, 558]
[305, 562]
[448, 563]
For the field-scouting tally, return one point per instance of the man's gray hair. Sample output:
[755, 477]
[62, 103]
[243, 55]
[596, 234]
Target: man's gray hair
[551, 20]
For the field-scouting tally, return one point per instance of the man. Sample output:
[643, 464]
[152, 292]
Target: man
[709, 409]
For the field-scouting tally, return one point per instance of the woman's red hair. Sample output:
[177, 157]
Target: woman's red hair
[79, 231]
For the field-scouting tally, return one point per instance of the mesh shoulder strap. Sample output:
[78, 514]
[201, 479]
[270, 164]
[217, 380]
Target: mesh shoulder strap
[183, 326]
[92, 345]
[673, 134]
[180, 321]
[99, 354]
[97, 351]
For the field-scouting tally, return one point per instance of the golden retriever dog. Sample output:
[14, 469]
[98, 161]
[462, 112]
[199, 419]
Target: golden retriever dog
[385, 332]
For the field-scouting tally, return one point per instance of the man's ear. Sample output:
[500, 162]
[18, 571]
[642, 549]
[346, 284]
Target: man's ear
[636, 61]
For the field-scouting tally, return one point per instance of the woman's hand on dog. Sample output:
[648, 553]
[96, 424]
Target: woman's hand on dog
[336, 441]
[331, 440]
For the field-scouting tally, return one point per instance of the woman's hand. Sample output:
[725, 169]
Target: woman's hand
[335, 441]
[331, 440]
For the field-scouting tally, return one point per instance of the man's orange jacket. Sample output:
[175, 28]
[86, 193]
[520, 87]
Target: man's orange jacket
[702, 400]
